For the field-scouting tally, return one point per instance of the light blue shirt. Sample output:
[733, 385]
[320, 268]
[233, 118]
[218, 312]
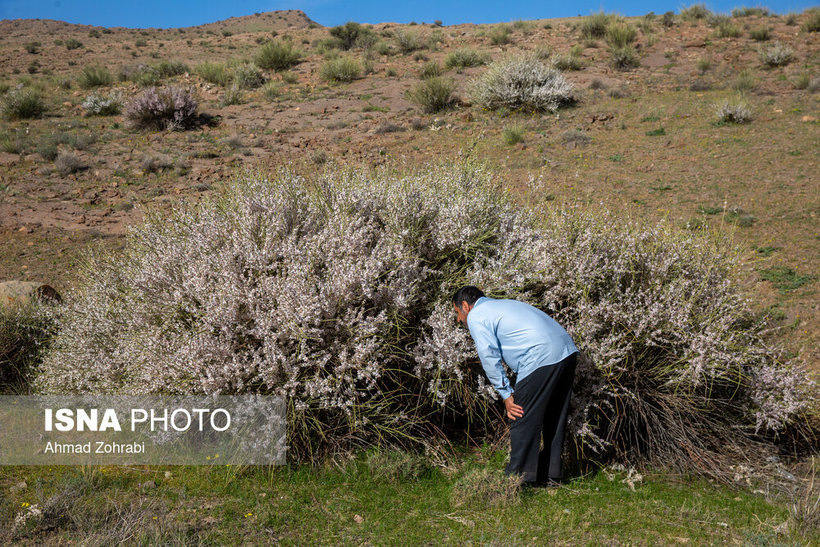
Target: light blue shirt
[518, 334]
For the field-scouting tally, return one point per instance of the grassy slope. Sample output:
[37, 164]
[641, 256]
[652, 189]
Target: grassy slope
[353, 503]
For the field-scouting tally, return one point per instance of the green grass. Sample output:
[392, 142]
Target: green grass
[513, 134]
[387, 501]
[784, 278]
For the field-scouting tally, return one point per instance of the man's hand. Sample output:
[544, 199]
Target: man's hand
[513, 410]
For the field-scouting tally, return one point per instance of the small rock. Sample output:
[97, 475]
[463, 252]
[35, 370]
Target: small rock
[147, 485]
[18, 487]
[358, 518]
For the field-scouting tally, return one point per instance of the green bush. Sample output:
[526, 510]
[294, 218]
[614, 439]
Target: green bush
[624, 58]
[71, 43]
[167, 69]
[343, 69]
[233, 95]
[747, 12]
[595, 25]
[744, 81]
[22, 104]
[278, 56]
[433, 94]
[465, 57]
[409, 41]
[272, 90]
[215, 73]
[567, 61]
[695, 12]
[430, 70]
[513, 134]
[760, 34]
[812, 24]
[94, 76]
[501, 35]
[247, 76]
[352, 34]
[620, 35]
[12, 143]
[727, 29]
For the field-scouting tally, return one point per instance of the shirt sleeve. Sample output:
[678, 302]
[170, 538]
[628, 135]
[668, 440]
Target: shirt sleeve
[489, 351]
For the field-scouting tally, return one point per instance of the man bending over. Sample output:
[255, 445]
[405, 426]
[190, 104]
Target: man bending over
[543, 357]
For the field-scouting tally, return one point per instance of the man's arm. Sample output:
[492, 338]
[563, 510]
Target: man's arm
[489, 351]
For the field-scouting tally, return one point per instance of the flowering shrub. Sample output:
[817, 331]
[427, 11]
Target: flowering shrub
[733, 111]
[99, 105]
[335, 292]
[776, 54]
[160, 108]
[522, 82]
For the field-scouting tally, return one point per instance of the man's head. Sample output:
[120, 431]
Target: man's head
[464, 299]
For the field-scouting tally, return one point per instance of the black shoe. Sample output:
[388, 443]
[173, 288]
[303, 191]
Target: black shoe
[549, 483]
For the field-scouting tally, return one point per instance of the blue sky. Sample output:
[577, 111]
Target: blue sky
[182, 13]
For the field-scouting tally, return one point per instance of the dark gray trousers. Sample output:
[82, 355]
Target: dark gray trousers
[544, 394]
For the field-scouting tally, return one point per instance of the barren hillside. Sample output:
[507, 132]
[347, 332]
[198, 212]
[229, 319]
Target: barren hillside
[643, 139]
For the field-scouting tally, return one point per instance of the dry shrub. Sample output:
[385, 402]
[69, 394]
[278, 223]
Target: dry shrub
[161, 108]
[335, 293]
[776, 55]
[804, 509]
[94, 520]
[24, 333]
[485, 486]
[733, 111]
[67, 163]
[522, 82]
[397, 465]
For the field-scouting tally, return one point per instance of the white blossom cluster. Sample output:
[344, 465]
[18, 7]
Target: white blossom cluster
[522, 82]
[97, 104]
[335, 292]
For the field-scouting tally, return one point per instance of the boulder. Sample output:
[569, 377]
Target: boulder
[21, 292]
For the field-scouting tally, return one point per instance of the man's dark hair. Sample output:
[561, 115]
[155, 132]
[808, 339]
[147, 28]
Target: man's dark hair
[467, 294]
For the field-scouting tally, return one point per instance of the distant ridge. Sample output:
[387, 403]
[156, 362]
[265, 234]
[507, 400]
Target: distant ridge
[271, 20]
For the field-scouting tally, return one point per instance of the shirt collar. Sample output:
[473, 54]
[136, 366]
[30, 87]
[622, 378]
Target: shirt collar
[480, 300]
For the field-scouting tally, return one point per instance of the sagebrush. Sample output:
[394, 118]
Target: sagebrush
[161, 108]
[522, 82]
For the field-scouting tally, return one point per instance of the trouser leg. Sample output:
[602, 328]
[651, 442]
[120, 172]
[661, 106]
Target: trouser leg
[555, 420]
[525, 432]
